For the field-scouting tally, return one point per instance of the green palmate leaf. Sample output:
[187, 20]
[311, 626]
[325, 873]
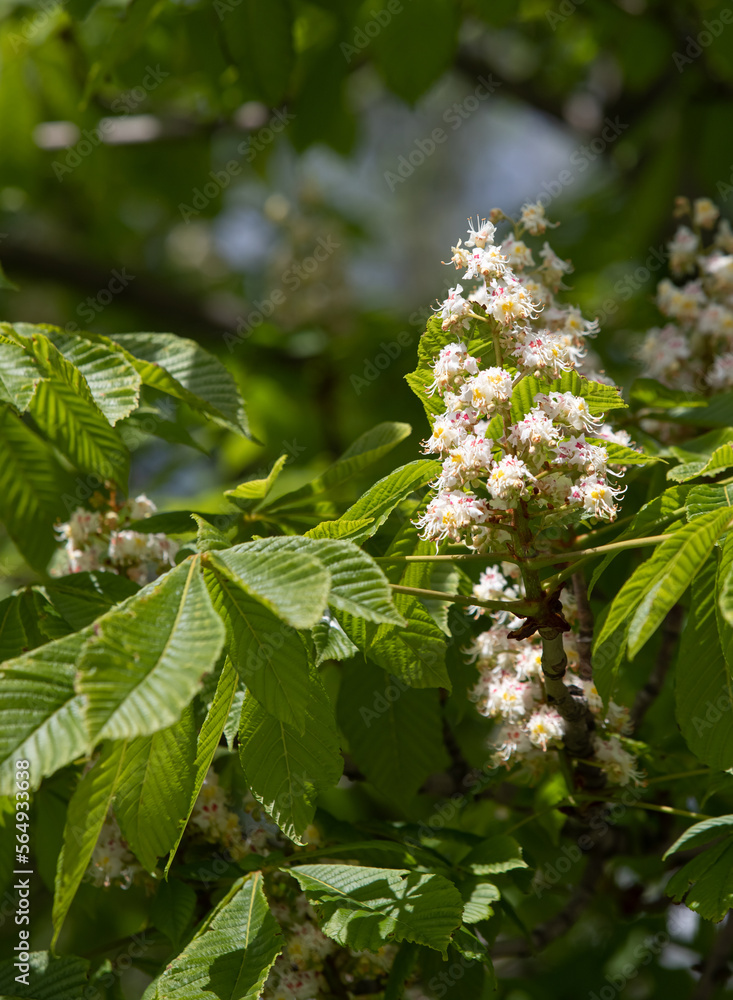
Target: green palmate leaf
[670, 571]
[248, 494]
[704, 687]
[172, 909]
[364, 452]
[82, 597]
[87, 811]
[112, 379]
[154, 789]
[415, 652]
[286, 769]
[706, 883]
[357, 584]
[12, 634]
[31, 481]
[720, 460]
[378, 502]
[478, 900]
[40, 715]
[494, 856]
[650, 520]
[724, 583]
[701, 833]
[619, 454]
[686, 471]
[208, 740]
[19, 375]
[49, 977]
[65, 410]
[599, 397]
[268, 655]
[410, 73]
[292, 584]
[145, 661]
[716, 412]
[331, 642]
[180, 368]
[149, 421]
[395, 732]
[659, 582]
[702, 499]
[648, 392]
[366, 908]
[230, 955]
[208, 536]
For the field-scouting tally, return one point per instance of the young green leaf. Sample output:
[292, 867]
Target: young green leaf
[180, 368]
[231, 953]
[250, 493]
[294, 585]
[87, 812]
[706, 883]
[145, 661]
[268, 655]
[208, 740]
[395, 733]
[364, 452]
[154, 789]
[111, 377]
[286, 769]
[357, 584]
[415, 652]
[379, 501]
[41, 716]
[366, 908]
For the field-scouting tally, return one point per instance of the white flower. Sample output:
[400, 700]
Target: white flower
[533, 218]
[618, 765]
[141, 507]
[554, 268]
[716, 319]
[682, 251]
[705, 213]
[492, 650]
[510, 302]
[683, 303]
[720, 375]
[568, 409]
[111, 860]
[127, 546]
[724, 236]
[544, 727]
[503, 696]
[80, 526]
[607, 432]
[452, 364]
[596, 496]
[720, 268]
[512, 741]
[494, 586]
[592, 458]
[517, 253]
[528, 663]
[664, 351]
[482, 234]
[547, 349]
[448, 513]
[449, 430]
[508, 479]
[455, 310]
[534, 430]
[486, 390]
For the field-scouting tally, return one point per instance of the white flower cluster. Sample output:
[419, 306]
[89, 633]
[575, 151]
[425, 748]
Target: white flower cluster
[693, 350]
[510, 690]
[112, 862]
[212, 820]
[298, 972]
[549, 458]
[103, 540]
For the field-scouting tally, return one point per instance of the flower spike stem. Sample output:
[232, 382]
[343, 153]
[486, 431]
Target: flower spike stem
[522, 609]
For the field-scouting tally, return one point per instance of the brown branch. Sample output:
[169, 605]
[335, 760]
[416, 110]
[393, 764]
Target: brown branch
[648, 694]
[585, 626]
[716, 969]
